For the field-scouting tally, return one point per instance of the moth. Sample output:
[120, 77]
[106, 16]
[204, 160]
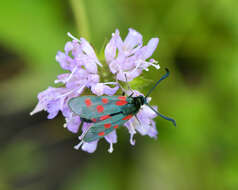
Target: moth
[107, 113]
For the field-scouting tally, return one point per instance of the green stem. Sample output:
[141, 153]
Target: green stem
[80, 17]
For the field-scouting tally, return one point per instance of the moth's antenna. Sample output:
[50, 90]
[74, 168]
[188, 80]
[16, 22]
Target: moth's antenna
[162, 78]
[159, 114]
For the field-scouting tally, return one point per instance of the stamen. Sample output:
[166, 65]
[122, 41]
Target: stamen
[82, 135]
[132, 141]
[132, 132]
[84, 132]
[154, 65]
[67, 93]
[81, 88]
[71, 74]
[110, 150]
[110, 83]
[139, 62]
[71, 36]
[148, 63]
[78, 145]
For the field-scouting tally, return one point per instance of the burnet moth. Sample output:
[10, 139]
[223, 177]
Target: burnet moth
[107, 113]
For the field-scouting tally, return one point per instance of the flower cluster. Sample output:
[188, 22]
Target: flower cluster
[129, 57]
[126, 60]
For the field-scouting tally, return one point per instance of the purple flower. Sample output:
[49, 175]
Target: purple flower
[102, 88]
[129, 57]
[80, 60]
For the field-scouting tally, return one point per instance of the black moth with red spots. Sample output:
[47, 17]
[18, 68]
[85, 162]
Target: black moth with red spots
[107, 113]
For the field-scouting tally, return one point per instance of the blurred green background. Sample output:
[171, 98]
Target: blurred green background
[198, 43]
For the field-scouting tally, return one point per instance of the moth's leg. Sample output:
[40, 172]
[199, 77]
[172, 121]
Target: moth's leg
[137, 119]
[131, 94]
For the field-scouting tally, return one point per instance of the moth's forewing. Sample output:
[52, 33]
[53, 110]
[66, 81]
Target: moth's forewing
[90, 107]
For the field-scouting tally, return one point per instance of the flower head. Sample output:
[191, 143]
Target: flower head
[128, 58]
[81, 62]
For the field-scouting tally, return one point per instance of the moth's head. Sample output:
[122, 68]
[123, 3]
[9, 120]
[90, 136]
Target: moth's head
[140, 100]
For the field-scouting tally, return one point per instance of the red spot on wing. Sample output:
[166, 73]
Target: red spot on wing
[101, 134]
[100, 108]
[127, 117]
[122, 98]
[116, 126]
[104, 117]
[107, 125]
[93, 119]
[104, 100]
[88, 102]
[121, 103]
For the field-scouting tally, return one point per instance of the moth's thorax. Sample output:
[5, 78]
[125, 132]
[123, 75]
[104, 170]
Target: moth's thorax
[139, 101]
[134, 105]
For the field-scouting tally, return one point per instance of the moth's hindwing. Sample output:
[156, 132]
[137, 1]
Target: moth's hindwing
[90, 107]
[102, 128]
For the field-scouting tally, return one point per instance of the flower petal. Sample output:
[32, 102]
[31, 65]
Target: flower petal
[61, 58]
[150, 48]
[133, 39]
[111, 138]
[131, 130]
[68, 47]
[152, 132]
[62, 78]
[39, 107]
[91, 67]
[53, 108]
[88, 50]
[73, 123]
[110, 91]
[90, 147]
[110, 50]
[98, 89]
